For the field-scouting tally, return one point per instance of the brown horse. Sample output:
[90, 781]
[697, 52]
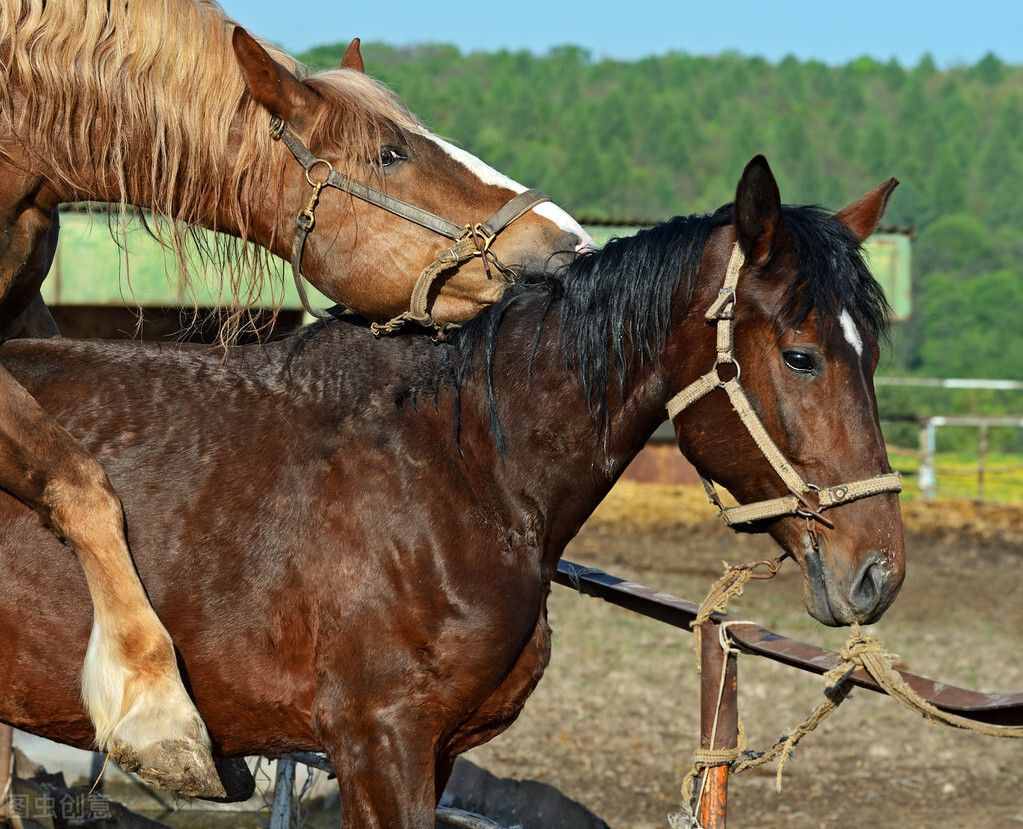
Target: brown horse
[352, 540]
[166, 105]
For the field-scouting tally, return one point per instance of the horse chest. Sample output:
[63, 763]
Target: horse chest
[505, 704]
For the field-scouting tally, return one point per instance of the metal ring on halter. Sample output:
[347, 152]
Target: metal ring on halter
[724, 360]
[316, 163]
[805, 513]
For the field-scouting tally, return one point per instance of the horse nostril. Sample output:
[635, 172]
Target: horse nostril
[867, 591]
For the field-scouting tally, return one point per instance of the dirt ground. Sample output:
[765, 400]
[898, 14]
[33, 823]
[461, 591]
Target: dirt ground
[615, 718]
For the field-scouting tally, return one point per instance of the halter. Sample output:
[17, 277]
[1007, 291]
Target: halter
[722, 313]
[470, 241]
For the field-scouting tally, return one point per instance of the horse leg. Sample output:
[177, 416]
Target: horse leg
[131, 686]
[22, 310]
[445, 765]
[386, 774]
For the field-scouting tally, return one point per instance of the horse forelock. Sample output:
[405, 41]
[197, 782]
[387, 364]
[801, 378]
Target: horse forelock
[360, 115]
[148, 98]
[832, 278]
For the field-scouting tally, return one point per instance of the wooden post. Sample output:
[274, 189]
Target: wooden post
[284, 790]
[6, 765]
[982, 447]
[714, 802]
[927, 477]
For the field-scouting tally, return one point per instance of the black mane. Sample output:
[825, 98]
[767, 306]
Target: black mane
[613, 305]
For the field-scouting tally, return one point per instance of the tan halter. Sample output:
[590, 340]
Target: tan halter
[722, 312]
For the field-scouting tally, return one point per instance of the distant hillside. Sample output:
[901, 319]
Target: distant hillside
[670, 134]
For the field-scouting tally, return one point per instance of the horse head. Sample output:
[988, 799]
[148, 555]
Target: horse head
[344, 122]
[786, 417]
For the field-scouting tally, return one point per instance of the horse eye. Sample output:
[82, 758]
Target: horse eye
[390, 156]
[800, 361]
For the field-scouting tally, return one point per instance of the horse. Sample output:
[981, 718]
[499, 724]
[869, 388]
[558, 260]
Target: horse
[169, 106]
[352, 540]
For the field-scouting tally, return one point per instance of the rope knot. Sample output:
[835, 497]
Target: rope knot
[703, 759]
[860, 647]
[706, 758]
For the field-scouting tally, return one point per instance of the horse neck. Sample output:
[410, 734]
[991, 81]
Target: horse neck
[216, 208]
[559, 459]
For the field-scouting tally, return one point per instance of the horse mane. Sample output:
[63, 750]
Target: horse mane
[613, 306]
[97, 80]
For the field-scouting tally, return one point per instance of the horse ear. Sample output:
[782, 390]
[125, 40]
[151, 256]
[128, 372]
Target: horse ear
[757, 211]
[862, 217]
[353, 56]
[269, 83]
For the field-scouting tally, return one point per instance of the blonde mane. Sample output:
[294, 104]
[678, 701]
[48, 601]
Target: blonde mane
[145, 98]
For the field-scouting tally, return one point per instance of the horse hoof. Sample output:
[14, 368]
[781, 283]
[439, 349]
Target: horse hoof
[184, 767]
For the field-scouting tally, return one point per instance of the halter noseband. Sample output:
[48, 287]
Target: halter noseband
[722, 313]
[470, 241]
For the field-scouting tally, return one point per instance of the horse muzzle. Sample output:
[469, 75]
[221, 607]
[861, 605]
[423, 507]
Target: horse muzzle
[839, 596]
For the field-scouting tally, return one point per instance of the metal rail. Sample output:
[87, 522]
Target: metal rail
[993, 708]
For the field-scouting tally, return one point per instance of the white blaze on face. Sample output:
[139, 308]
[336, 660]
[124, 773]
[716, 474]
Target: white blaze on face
[488, 175]
[851, 332]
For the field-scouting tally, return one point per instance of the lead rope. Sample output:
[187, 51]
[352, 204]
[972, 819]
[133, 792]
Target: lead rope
[475, 242]
[861, 651]
[726, 588]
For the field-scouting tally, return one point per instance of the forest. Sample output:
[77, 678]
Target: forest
[670, 134]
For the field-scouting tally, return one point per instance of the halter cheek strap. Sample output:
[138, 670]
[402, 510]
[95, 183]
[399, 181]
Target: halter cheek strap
[722, 314]
[469, 241]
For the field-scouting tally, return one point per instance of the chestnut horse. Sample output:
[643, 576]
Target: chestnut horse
[166, 105]
[352, 540]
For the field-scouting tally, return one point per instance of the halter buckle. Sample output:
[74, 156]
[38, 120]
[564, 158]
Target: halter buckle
[809, 511]
[482, 238]
[722, 308]
[307, 218]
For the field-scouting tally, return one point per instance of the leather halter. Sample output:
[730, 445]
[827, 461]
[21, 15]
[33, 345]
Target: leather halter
[470, 241]
[722, 313]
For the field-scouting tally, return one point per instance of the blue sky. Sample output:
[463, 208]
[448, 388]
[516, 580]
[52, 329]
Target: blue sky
[953, 32]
